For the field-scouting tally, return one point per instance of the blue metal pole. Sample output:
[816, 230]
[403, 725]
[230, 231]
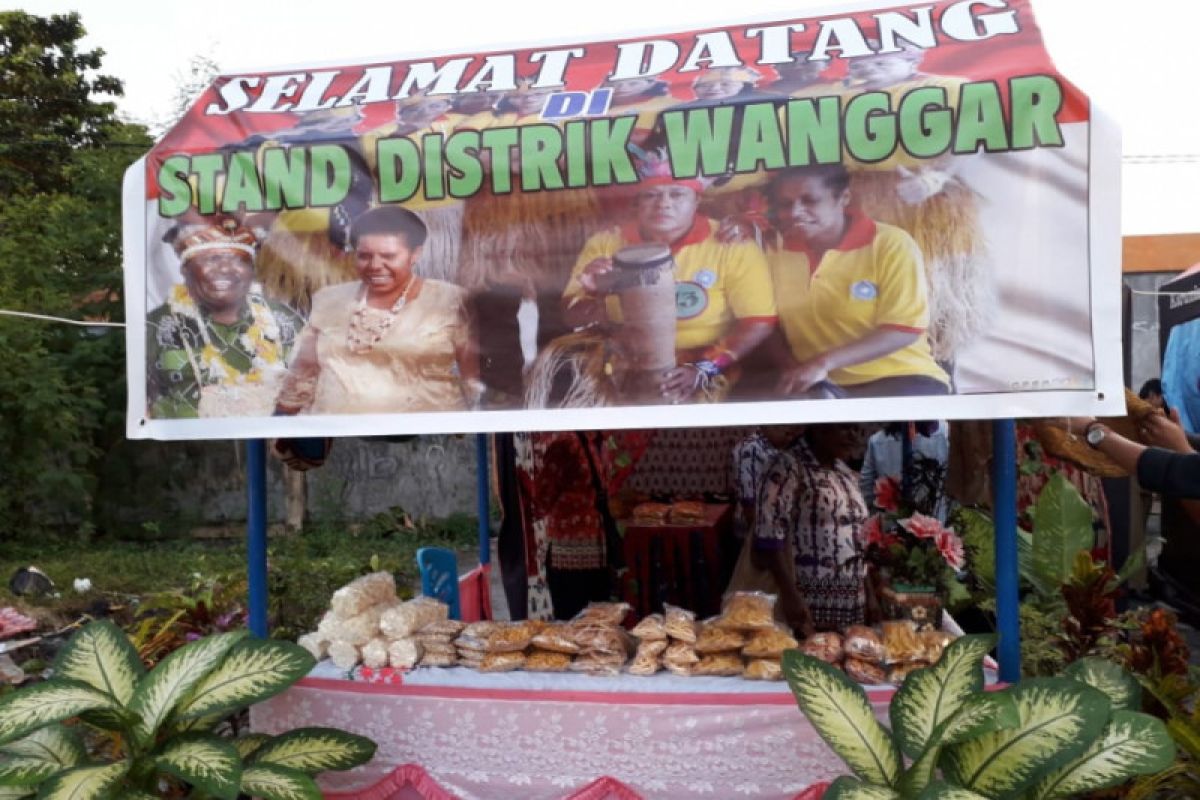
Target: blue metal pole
[256, 533]
[482, 497]
[1004, 507]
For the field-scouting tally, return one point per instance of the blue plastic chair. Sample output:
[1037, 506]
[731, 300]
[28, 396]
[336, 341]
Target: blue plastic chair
[439, 576]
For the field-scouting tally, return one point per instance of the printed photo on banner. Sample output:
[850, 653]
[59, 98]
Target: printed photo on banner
[871, 206]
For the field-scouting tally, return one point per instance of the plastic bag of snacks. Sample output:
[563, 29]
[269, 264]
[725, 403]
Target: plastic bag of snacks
[644, 664]
[680, 654]
[314, 643]
[864, 671]
[343, 654]
[362, 593]
[719, 664]
[679, 623]
[602, 638]
[509, 638]
[433, 658]
[599, 663]
[763, 669]
[863, 643]
[439, 647]
[357, 630]
[824, 646]
[547, 661]
[443, 627]
[654, 647]
[375, 653]
[404, 653]
[557, 637]
[650, 628]
[747, 611]
[769, 643]
[481, 629]
[682, 670]
[502, 662]
[899, 672]
[604, 613]
[901, 643]
[933, 643]
[408, 617]
[717, 640]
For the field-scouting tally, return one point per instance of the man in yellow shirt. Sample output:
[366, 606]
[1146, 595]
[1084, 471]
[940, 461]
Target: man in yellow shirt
[725, 304]
[853, 304]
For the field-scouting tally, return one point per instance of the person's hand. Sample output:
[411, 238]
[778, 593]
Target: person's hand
[801, 624]
[590, 278]
[1073, 425]
[802, 377]
[679, 384]
[1161, 430]
[917, 186]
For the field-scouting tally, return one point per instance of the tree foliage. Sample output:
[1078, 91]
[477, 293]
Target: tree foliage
[63, 153]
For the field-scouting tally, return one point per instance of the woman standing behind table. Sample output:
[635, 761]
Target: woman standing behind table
[390, 342]
[810, 499]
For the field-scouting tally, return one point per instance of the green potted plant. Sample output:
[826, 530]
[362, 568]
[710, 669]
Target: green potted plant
[1041, 739]
[104, 727]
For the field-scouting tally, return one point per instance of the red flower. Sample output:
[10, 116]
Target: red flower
[874, 532]
[887, 493]
[922, 527]
[951, 548]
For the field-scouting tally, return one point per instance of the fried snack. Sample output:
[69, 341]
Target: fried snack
[650, 628]
[683, 670]
[718, 640]
[343, 654]
[314, 643]
[650, 513]
[557, 637]
[443, 627]
[901, 643]
[405, 619]
[747, 611]
[404, 653]
[441, 648]
[864, 644]
[434, 640]
[825, 646]
[472, 660]
[899, 672]
[361, 593]
[680, 624]
[769, 643]
[547, 661]
[864, 671]
[375, 653]
[680, 653]
[645, 663]
[727, 663]
[482, 629]
[471, 644]
[651, 649]
[434, 659]
[933, 643]
[604, 613]
[502, 662]
[599, 663]
[509, 638]
[602, 639]
[688, 512]
[763, 669]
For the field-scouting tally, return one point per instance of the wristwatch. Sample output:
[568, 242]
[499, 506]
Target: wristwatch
[1094, 434]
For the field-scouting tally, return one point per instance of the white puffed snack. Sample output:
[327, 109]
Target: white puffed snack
[314, 643]
[359, 629]
[406, 618]
[343, 654]
[328, 624]
[362, 593]
[375, 653]
[404, 653]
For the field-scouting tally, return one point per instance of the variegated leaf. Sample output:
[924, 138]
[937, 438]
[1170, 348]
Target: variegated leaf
[133, 794]
[981, 713]
[198, 725]
[55, 744]
[313, 750]
[203, 760]
[847, 788]
[174, 677]
[1059, 718]
[931, 696]
[32, 707]
[278, 783]
[16, 792]
[944, 791]
[253, 671]
[101, 656]
[247, 745]
[1132, 744]
[1122, 688]
[84, 783]
[21, 771]
[841, 713]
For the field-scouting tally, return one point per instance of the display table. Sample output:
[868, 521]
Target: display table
[457, 733]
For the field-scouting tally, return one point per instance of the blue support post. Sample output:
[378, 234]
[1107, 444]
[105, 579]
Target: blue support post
[482, 495]
[1004, 506]
[256, 533]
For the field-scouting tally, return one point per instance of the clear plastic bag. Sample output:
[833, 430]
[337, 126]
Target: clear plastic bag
[825, 646]
[361, 593]
[719, 664]
[680, 624]
[502, 662]
[558, 637]
[404, 653]
[901, 643]
[547, 661]
[650, 628]
[343, 654]
[405, 619]
[933, 643]
[443, 627]
[747, 611]
[435, 659]
[763, 669]
[375, 653]
[769, 643]
[681, 654]
[604, 613]
[508, 638]
[314, 643]
[718, 640]
[899, 672]
[864, 644]
[864, 671]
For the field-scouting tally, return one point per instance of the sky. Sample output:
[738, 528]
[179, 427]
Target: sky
[1135, 59]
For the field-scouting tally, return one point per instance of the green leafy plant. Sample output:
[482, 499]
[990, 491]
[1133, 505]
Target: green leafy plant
[156, 727]
[1041, 739]
[913, 548]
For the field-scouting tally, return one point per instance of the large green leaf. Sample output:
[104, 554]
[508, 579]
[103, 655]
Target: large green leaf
[313, 750]
[174, 677]
[978, 536]
[248, 745]
[847, 788]
[1122, 688]
[19, 771]
[253, 671]
[203, 760]
[32, 707]
[84, 783]
[101, 656]
[931, 696]
[838, 708]
[939, 790]
[278, 783]
[1062, 526]
[16, 792]
[1059, 718]
[979, 714]
[1132, 744]
[55, 744]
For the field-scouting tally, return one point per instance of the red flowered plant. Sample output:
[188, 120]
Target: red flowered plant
[912, 548]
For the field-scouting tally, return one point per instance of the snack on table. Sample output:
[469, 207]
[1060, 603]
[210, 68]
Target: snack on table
[375, 653]
[470, 644]
[343, 654]
[438, 647]
[747, 611]
[434, 640]
[680, 653]
[726, 664]
[650, 513]
[470, 659]
[405, 619]
[650, 628]
[716, 640]
[680, 624]
[933, 643]
[557, 637]
[362, 593]
[899, 672]
[358, 630]
[763, 669]
[688, 512]
[404, 653]
[769, 643]
[901, 643]
[314, 643]
[547, 661]
[509, 638]
[599, 663]
[644, 664]
[481, 629]
[434, 659]
[825, 646]
[603, 613]
[651, 649]
[502, 662]
[864, 671]
[601, 638]
[863, 643]
[443, 627]
[682, 670]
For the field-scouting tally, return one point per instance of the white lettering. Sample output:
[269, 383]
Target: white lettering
[312, 100]
[554, 66]
[274, 90]
[373, 87]
[234, 94]
[424, 75]
[776, 47]
[663, 54]
[712, 50]
[842, 35]
[498, 73]
[960, 22]
[897, 24]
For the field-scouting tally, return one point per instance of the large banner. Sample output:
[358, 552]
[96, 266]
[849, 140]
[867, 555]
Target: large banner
[873, 214]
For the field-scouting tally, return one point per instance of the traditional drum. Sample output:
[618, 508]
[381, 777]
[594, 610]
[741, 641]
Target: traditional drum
[643, 280]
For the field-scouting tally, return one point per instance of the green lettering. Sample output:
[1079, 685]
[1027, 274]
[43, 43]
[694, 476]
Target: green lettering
[814, 131]
[283, 176]
[206, 169]
[980, 119]
[499, 142]
[1036, 100]
[399, 169]
[870, 127]
[541, 145]
[698, 140]
[760, 141]
[242, 189]
[462, 161]
[332, 163]
[577, 157]
[435, 179]
[610, 158]
[174, 191]
[926, 123]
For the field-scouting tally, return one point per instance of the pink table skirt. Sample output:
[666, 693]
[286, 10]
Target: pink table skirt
[445, 743]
